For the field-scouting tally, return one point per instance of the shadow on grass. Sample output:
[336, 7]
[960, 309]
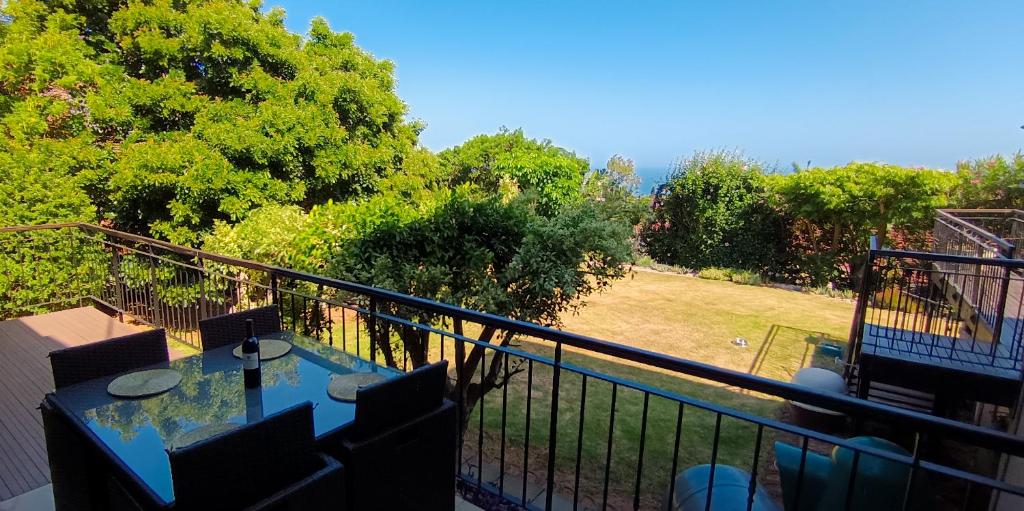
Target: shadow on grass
[783, 345]
[611, 439]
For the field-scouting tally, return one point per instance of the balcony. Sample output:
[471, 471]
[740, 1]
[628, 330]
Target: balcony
[554, 431]
[947, 322]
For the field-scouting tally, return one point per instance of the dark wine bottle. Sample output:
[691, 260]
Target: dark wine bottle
[251, 356]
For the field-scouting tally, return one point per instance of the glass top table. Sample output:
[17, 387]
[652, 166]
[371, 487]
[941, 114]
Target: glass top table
[140, 431]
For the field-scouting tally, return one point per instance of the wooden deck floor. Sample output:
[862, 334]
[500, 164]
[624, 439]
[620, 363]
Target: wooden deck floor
[937, 350]
[24, 379]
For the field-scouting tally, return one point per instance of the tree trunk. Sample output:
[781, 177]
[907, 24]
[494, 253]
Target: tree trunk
[384, 343]
[467, 392]
[881, 232]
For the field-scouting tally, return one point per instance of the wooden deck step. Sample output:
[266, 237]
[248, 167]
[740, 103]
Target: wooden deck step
[893, 395]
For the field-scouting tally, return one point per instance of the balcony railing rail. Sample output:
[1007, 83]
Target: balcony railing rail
[1003, 228]
[917, 304]
[572, 420]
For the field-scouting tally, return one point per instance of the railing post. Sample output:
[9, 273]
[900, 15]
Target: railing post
[460, 388]
[115, 269]
[860, 314]
[1004, 289]
[202, 288]
[371, 325]
[157, 313]
[553, 426]
[317, 315]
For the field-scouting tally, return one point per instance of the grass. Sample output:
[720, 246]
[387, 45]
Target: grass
[697, 319]
[681, 316]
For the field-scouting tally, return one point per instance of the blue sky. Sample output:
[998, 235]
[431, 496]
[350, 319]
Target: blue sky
[907, 82]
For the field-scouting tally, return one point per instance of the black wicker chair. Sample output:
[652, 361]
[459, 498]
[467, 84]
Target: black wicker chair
[73, 475]
[230, 328]
[105, 358]
[400, 450]
[270, 464]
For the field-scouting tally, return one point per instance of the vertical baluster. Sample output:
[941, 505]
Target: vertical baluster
[915, 463]
[330, 324]
[752, 486]
[504, 413]
[344, 333]
[481, 404]
[850, 482]
[611, 438]
[154, 299]
[675, 454]
[640, 455]
[800, 473]
[371, 328]
[714, 461]
[526, 442]
[460, 384]
[579, 444]
[553, 426]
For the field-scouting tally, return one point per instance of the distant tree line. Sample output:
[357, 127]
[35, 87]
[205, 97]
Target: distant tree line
[722, 209]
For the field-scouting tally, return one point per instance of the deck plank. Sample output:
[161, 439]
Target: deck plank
[25, 377]
[939, 351]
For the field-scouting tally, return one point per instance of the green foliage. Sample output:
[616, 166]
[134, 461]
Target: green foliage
[265, 235]
[835, 211]
[174, 115]
[459, 247]
[613, 189]
[719, 209]
[733, 275]
[45, 270]
[996, 182]
[492, 162]
[715, 273]
[747, 278]
[716, 210]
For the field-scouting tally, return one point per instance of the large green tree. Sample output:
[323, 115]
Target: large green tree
[172, 115]
[836, 209]
[553, 175]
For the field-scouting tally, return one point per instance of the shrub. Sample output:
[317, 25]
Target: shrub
[713, 273]
[996, 182]
[668, 268]
[748, 278]
[716, 210]
[745, 277]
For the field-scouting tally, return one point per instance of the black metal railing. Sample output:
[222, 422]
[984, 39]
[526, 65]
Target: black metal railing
[942, 307]
[567, 421]
[1002, 228]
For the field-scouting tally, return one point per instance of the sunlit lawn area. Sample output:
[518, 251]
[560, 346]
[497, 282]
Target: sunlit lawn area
[681, 316]
[698, 319]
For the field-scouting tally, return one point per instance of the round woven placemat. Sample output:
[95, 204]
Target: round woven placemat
[344, 387]
[144, 383]
[269, 349]
[202, 433]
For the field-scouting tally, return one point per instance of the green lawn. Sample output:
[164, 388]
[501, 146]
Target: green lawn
[682, 316]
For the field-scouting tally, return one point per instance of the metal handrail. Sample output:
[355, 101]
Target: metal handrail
[981, 437]
[948, 215]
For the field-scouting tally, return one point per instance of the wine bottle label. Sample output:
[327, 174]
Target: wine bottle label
[250, 361]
